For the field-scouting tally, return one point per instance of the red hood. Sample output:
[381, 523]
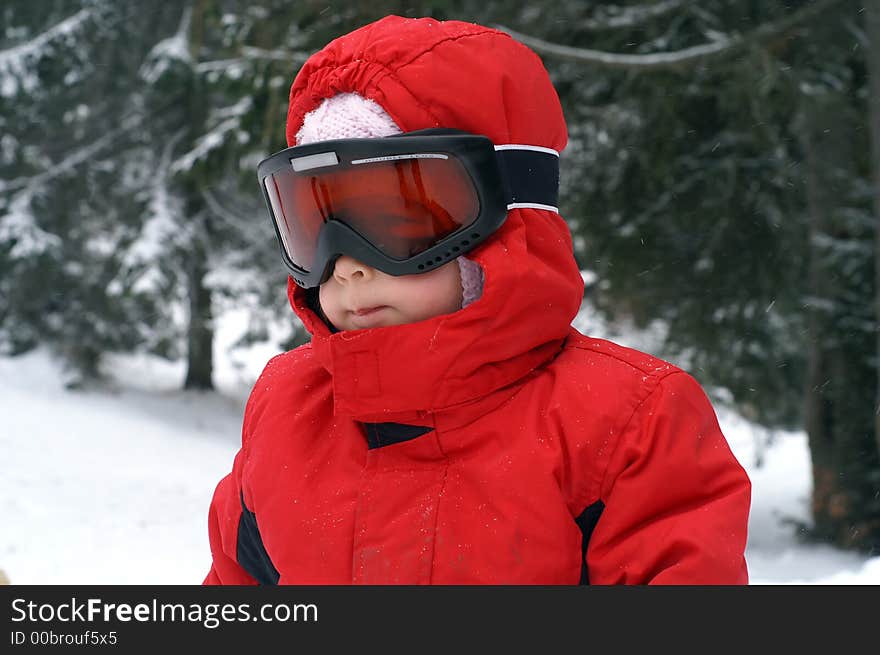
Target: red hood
[427, 73]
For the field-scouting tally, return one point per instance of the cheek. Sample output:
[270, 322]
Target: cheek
[328, 297]
[439, 292]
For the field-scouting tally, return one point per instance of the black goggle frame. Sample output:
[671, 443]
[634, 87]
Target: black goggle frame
[503, 177]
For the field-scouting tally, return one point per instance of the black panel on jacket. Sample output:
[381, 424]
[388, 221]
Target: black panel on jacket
[385, 434]
[586, 522]
[250, 552]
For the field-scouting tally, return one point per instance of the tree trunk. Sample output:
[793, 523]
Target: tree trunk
[818, 405]
[838, 420]
[200, 336]
[872, 29]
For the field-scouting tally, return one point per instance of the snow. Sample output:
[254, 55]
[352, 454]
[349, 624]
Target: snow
[621, 16]
[205, 144]
[17, 63]
[168, 51]
[112, 486]
[19, 227]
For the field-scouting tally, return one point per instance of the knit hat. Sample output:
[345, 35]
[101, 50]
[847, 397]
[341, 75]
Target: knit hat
[350, 116]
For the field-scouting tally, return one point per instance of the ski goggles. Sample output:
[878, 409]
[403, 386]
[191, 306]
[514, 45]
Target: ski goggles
[403, 204]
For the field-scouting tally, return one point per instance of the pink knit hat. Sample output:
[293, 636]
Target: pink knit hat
[351, 116]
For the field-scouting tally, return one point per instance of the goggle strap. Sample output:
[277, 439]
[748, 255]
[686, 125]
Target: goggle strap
[531, 176]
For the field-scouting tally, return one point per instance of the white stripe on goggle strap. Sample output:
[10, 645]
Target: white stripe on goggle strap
[518, 146]
[532, 205]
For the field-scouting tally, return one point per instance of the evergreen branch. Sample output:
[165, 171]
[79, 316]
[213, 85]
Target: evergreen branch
[125, 126]
[251, 55]
[16, 54]
[618, 17]
[72, 161]
[277, 55]
[237, 222]
[723, 47]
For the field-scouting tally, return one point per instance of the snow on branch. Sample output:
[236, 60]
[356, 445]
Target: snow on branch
[724, 46]
[206, 144]
[161, 227]
[18, 225]
[286, 56]
[14, 61]
[617, 17]
[250, 56]
[227, 125]
[75, 158]
[175, 48]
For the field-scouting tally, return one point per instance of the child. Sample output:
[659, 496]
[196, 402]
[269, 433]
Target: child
[446, 424]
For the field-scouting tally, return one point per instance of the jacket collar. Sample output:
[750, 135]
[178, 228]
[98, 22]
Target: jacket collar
[408, 373]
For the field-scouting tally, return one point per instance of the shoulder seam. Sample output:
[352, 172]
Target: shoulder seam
[658, 379]
[673, 367]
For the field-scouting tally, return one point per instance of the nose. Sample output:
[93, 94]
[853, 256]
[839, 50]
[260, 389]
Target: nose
[347, 269]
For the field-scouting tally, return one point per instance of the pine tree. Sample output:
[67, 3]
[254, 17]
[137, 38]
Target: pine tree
[730, 197]
[66, 110]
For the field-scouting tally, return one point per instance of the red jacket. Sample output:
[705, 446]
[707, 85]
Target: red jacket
[492, 445]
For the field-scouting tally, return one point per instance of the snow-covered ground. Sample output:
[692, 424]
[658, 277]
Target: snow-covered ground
[113, 486]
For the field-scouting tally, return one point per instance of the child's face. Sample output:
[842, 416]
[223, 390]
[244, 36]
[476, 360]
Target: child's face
[358, 296]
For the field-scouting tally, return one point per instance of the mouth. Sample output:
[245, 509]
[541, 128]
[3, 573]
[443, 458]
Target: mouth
[367, 311]
[369, 317]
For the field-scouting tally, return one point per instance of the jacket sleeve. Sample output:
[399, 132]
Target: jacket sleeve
[224, 518]
[676, 499]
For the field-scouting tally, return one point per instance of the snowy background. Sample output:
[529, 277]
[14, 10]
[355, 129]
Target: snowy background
[112, 486]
